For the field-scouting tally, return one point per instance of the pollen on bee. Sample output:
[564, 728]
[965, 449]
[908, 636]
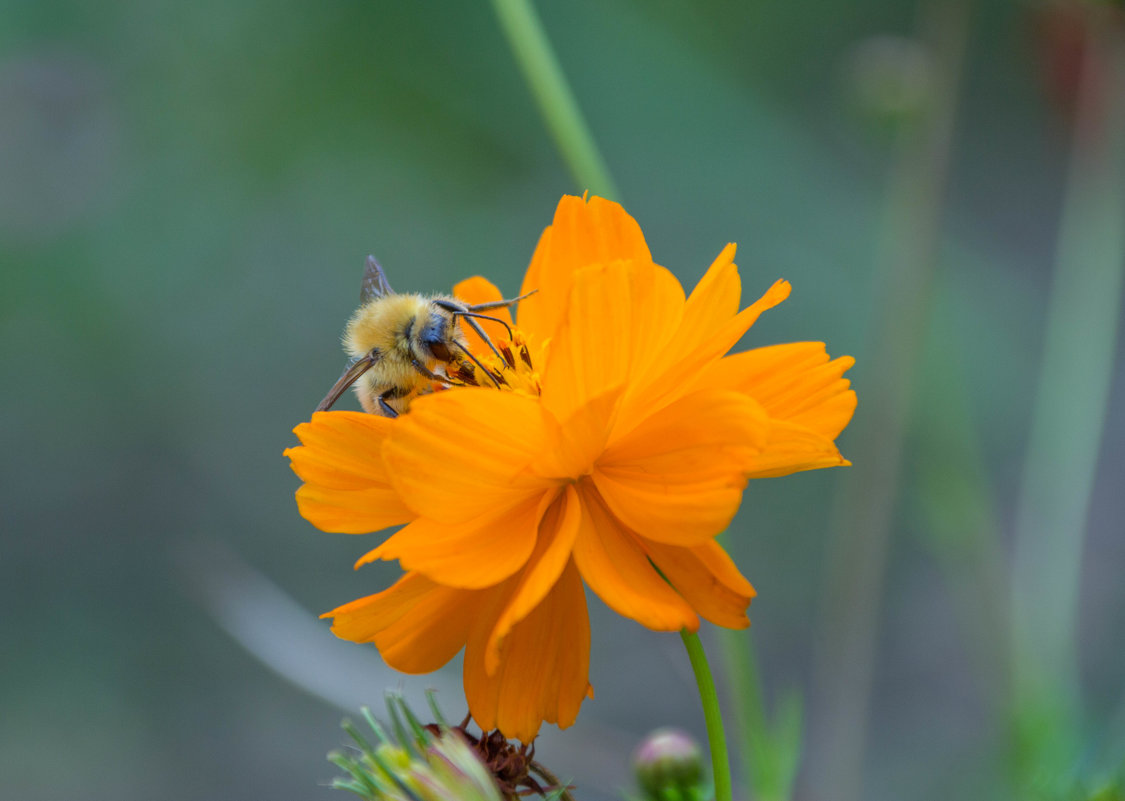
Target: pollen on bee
[466, 373]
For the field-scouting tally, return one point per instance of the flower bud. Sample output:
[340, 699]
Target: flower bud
[457, 771]
[416, 763]
[890, 80]
[668, 765]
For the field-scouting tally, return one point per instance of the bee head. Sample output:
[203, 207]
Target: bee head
[437, 334]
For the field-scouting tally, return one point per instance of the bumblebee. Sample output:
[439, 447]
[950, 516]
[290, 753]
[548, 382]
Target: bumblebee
[406, 345]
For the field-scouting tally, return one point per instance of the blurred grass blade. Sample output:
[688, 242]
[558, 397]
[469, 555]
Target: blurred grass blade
[1070, 409]
[788, 737]
[252, 609]
[868, 491]
[955, 505]
[552, 93]
[770, 753]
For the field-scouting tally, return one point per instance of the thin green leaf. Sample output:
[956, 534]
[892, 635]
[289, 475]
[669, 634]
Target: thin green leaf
[431, 699]
[355, 734]
[401, 734]
[352, 787]
[422, 737]
[375, 725]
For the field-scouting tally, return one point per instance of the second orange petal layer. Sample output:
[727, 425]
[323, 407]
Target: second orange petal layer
[543, 672]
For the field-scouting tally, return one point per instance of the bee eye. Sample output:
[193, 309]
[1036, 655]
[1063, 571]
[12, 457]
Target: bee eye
[440, 350]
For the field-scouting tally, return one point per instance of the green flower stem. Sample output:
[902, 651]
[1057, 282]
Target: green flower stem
[552, 93]
[720, 762]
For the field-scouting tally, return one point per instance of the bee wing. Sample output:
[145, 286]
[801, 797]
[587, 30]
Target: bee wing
[350, 376]
[375, 283]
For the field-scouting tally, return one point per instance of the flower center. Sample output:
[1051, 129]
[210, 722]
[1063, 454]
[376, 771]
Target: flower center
[511, 371]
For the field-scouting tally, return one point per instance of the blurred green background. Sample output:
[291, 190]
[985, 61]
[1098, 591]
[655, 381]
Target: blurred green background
[187, 195]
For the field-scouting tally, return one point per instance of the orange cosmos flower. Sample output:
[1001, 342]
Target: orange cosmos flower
[615, 452]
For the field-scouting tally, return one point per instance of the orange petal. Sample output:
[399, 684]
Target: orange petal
[472, 554]
[552, 552]
[464, 453]
[535, 317]
[728, 335]
[699, 432]
[416, 624]
[619, 317]
[543, 675]
[476, 290]
[792, 448]
[479, 289]
[617, 569]
[574, 445]
[686, 514]
[347, 488]
[341, 449]
[351, 511]
[795, 382]
[676, 375]
[707, 579]
[712, 303]
[582, 233]
[678, 476]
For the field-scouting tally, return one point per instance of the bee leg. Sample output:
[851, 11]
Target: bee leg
[495, 378]
[430, 374]
[392, 393]
[354, 370]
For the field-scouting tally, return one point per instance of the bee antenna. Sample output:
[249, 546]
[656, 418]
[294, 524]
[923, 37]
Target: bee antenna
[501, 304]
[457, 309]
[507, 327]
